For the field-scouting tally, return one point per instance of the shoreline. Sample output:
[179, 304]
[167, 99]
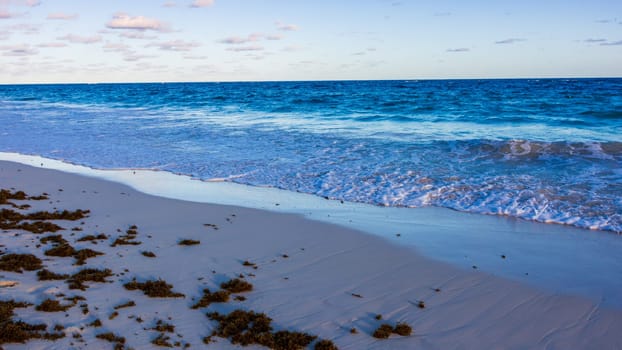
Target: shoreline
[538, 253]
[311, 276]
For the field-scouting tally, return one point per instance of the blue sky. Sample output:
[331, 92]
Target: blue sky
[237, 40]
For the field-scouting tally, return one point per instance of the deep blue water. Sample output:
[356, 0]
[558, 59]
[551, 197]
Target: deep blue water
[544, 150]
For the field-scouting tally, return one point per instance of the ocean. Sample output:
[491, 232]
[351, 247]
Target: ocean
[547, 150]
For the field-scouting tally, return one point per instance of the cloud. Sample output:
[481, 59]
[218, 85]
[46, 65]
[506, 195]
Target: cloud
[612, 43]
[125, 21]
[246, 48]
[460, 49]
[33, 3]
[77, 39]
[236, 40]
[190, 57]
[136, 35]
[510, 41]
[442, 14]
[18, 50]
[175, 45]
[273, 37]
[62, 16]
[202, 3]
[6, 14]
[591, 40]
[24, 28]
[52, 45]
[169, 4]
[133, 57]
[286, 27]
[116, 47]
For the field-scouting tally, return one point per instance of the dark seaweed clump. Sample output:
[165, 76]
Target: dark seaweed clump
[248, 327]
[92, 238]
[49, 305]
[221, 296]
[128, 238]
[154, 289]
[36, 222]
[188, 242]
[62, 248]
[236, 285]
[77, 280]
[148, 254]
[47, 275]
[111, 337]
[385, 330]
[19, 262]
[325, 345]
[12, 331]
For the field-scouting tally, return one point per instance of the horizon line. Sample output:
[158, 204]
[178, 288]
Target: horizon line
[309, 80]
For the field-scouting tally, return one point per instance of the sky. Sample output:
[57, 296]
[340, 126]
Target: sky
[63, 41]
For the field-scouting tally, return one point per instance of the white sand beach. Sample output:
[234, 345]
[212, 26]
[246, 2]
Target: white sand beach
[307, 276]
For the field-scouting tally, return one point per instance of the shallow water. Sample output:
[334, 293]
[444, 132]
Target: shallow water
[543, 150]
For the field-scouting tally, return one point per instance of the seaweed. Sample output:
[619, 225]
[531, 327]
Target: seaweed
[124, 305]
[248, 327]
[236, 285]
[162, 340]
[76, 281]
[188, 242]
[19, 262]
[221, 296]
[383, 332]
[402, 329]
[154, 289]
[49, 305]
[325, 345]
[91, 238]
[148, 254]
[12, 331]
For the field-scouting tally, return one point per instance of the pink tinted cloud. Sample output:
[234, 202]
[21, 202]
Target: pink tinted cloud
[6, 14]
[286, 27]
[18, 50]
[175, 45]
[125, 21]
[246, 48]
[202, 3]
[62, 16]
[136, 35]
[52, 45]
[77, 39]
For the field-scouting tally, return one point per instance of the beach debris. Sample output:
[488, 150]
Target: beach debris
[249, 327]
[92, 238]
[148, 254]
[236, 286]
[12, 331]
[154, 288]
[76, 281]
[214, 226]
[385, 330]
[421, 304]
[188, 242]
[378, 317]
[49, 305]
[356, 295]
[221, 296]
[325, 344]
[125, 305]
[128, 238]
[503, 256]
[118, 341]
[19, 262]
[96, 323]
[353, 331]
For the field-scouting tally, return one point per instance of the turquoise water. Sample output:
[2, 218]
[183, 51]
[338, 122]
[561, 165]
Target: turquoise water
[542, 150]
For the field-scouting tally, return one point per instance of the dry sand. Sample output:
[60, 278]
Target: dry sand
[311, 277]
